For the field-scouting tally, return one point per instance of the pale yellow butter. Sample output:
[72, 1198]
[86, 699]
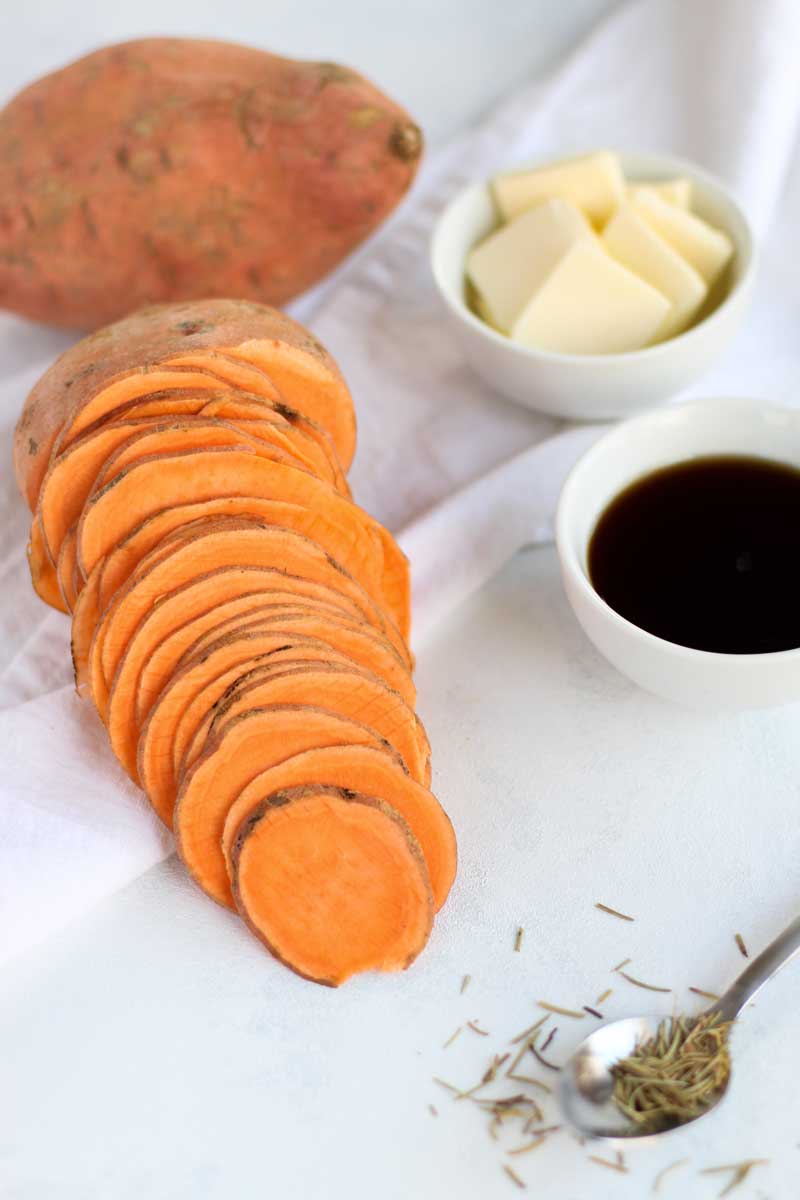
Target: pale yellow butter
[594, 184]
[591, 304]
[633, 242]
[707, 249]
[512, 263]
[675, 191]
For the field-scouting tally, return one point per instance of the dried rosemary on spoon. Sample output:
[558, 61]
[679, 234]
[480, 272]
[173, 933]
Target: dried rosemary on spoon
[676, 1075]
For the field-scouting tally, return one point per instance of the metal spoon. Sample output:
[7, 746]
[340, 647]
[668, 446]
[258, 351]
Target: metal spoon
[586, 1080]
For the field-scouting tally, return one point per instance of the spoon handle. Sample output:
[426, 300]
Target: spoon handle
[756, 974]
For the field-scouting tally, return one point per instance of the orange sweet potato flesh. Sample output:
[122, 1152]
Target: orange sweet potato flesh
[131, 696]
[238, 646]
[162, 482]
[43, 573]
[241, 749]
[173, 168]
[122, 362]
[360, 769]
[73, 473]
[333, 883]
[67, 570]
[193, 690]
[157, 668]
[232, 542]
[113, 572]
[349, 691]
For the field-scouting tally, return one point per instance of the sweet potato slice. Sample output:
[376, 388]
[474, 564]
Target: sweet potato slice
[350, 691]
[240, 647]
[359, 641]
[43, 573]
[237, 405]
[333, 883]
[72, 475]
[232, 405]
[67, 569]
[129, 702]
[160, 482]
[360, 769]
[162, 660]
[193, 690]
[232, 542]
[305, 381]
[242, 748]
[112, 572]
[126, 359]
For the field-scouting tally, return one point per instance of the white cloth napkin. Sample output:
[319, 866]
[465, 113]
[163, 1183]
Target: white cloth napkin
[465, 477]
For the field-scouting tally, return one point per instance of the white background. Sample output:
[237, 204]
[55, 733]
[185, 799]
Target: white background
[153, 1050]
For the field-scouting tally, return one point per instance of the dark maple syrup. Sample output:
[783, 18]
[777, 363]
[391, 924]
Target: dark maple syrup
[706, 553]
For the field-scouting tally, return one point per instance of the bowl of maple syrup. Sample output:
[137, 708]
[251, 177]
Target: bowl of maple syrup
[678, 535]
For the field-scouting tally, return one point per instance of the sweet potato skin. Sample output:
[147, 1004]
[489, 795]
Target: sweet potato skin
[174, 168]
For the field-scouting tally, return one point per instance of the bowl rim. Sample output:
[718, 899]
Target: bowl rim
[570, 561]
[746, 252]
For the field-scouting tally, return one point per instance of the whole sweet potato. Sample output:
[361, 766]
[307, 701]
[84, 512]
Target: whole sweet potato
[173, 169]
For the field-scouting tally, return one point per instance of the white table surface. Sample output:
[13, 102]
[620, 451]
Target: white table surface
[140, 1053]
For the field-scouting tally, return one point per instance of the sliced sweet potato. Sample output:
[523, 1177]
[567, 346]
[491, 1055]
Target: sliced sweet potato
[113, 572]
[361, 769]
[231, 405]
[123, 360]
[43, 573]
[193, 690]
[236, 405]
[305, 381]
[161, 662]
[67, 570]
[129, 702]
[200, 548]
[241, 749]
[333, 883]
[350, 691]
[160, 482]
[73, 473]
[359, 641]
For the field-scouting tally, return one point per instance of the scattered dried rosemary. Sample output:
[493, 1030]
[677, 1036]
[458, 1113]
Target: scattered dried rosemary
[518, 939]
[665, 1171]
[561, 1012]
[739, 1172]
[614, 912]
[740, 943]
[706, 995]
[650, 987]
[675, 1075]
[612, 1166]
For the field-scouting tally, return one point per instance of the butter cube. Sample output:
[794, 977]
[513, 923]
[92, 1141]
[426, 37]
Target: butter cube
[675, 191]
[631, 241]
[591, 304]
[594, 184]
[512, 263]
[707, 249]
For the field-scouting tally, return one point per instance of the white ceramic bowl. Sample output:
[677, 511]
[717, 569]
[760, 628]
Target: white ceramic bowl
[592, 386]
[699, 679]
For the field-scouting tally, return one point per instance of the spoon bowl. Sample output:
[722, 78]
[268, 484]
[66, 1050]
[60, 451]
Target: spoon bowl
[587, 1083]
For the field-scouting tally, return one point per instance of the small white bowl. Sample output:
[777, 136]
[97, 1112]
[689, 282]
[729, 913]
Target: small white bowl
[699, 679]
[593, 386]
